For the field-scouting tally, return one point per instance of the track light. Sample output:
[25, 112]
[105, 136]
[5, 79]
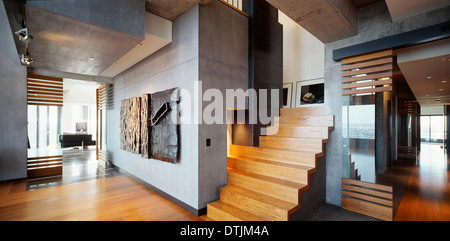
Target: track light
[27, 59]
[24, 35]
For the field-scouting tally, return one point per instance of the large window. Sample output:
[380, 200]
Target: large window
[432, 128]
[44, 126]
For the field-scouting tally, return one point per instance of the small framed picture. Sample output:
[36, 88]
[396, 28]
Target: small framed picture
[310, 92]
[287, 95]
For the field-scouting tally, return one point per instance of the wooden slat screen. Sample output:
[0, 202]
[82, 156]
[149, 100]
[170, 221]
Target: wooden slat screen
[104, 97]
[45, 91]
[366, 74]
[370, 199]
[408, 107]
[38, 167]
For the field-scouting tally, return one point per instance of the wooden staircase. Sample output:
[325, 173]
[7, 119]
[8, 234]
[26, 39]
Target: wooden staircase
[266, 182]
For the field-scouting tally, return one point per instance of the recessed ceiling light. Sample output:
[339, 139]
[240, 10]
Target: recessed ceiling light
[441, 89]
[443, 82]
[429, 77]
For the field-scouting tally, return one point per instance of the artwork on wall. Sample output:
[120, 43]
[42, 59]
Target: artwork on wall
[130, 125]
[146, 127]
[164, 140]
[310, 92]
[146, 108]
[287, 95]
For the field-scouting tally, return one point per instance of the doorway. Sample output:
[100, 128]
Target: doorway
[65, 133]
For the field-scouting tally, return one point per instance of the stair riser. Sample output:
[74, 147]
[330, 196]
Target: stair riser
[289, 144]
[304, 111]
[307, 159]
[271, 170]
[300, 132]
[272, 189]
[262, 209]
[314, 121]
[218, 214]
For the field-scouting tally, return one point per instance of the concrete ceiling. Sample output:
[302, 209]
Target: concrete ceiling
[426, 69]
[327, 20]
[171, 9]
[69, 45]
[401, 9]
[155, 39]
[363, 3]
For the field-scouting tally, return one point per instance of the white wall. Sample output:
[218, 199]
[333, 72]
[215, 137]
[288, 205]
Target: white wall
[78, 93]
[303, 54]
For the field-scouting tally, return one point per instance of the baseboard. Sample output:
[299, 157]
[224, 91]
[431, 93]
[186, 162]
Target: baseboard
[196, 212]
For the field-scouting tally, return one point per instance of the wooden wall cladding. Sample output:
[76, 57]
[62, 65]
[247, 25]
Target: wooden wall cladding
[370, 199]
[366, 74]
[38, 167]
[45, 91]
[104, 97]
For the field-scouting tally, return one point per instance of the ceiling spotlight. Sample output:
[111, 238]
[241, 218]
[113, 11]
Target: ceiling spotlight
[429, 77]
[24, 35]
[441, 89]
[27, 59]
[443, 82]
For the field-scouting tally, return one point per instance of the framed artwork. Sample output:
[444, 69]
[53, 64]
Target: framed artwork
[310, 92]
[287, 95]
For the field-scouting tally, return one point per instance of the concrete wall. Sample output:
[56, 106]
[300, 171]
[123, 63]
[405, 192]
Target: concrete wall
[127, 16]
[176, 65]
[210, 44]
[374, 23]
[13, 106]
[223, 64]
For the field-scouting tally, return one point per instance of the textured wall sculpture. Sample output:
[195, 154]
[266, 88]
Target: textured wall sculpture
[146, 126]
[130, 125]
[165, 131]
[146, 129]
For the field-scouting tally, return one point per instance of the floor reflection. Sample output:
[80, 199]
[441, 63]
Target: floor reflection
[80, 165]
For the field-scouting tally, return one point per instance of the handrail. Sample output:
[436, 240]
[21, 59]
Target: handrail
[234, 4]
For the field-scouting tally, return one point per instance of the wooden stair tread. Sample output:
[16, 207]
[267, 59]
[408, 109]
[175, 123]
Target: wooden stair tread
[235, 212]
[293, 138]
[281, 149]
[290, 165]
[290, 184]
[276, 202]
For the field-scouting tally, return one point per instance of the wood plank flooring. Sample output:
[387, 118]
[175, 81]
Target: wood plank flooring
[111, 199]
[427, 194]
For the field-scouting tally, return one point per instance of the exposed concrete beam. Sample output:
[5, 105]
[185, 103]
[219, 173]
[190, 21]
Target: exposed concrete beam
[171, 9]
[59, 74]
[327, 20]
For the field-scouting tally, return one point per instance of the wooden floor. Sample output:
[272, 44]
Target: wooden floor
[116, 199]
[427, 194]
[426, 198]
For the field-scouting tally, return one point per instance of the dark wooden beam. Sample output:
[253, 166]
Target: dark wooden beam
[419, 36]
